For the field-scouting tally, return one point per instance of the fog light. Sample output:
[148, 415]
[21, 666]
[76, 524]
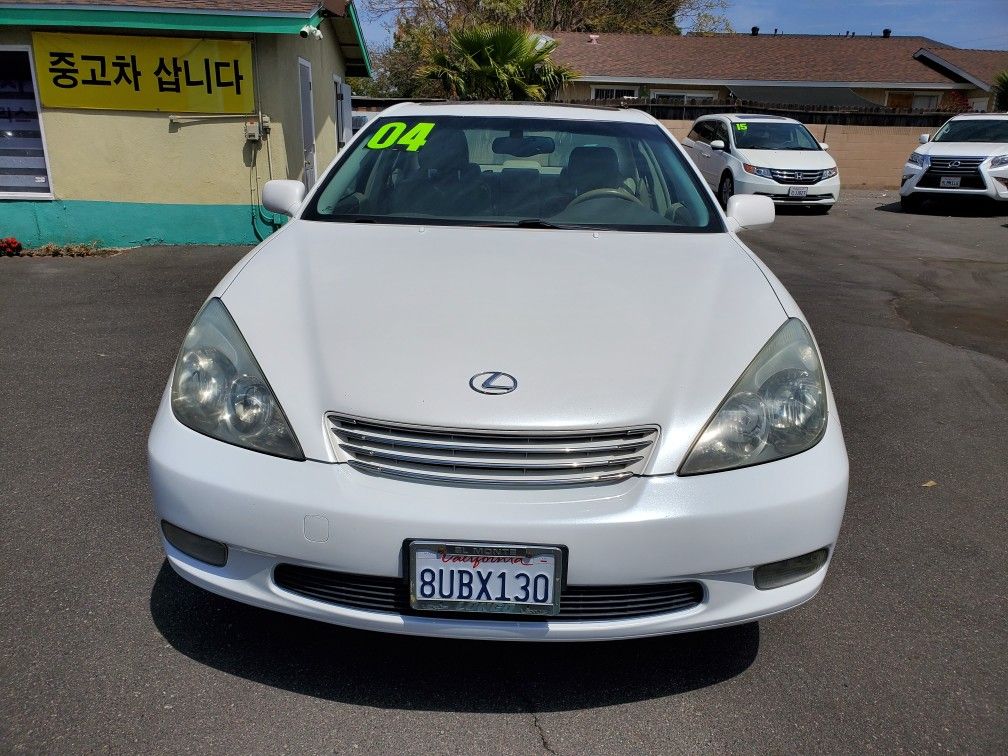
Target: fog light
[1003, 181]
[198, 547]
[777, 574]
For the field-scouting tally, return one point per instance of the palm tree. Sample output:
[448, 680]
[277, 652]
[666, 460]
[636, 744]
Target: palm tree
[497, 63]
[1000, 89]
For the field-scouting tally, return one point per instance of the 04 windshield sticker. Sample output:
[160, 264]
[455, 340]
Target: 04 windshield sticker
[395, 133]
[741, 127]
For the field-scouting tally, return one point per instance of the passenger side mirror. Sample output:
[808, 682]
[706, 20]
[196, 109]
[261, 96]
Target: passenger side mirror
[749, 211]
[823, 145]
[717, 144]
[282, 196]
[925, 138]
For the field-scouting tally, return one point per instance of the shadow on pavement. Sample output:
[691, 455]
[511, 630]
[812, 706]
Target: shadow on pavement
[959, 207]
[390, 671]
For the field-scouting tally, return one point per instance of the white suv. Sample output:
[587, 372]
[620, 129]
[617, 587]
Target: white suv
[740, 153]
[968, 156]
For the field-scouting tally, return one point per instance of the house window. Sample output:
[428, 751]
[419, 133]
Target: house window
[915, 100]
[681, 98]
[24, 165]
[613, 93]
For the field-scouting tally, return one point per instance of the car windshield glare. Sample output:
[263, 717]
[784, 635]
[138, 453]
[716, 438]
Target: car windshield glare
[761, 135]
[974, 130]
[515, 171]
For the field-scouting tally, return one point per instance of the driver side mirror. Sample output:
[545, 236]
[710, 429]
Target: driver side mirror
[717, 144]
[823, 145]
[283, 196]
[749, 211]
[925, 138]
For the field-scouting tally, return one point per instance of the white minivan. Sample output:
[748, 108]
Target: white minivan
[777, 157]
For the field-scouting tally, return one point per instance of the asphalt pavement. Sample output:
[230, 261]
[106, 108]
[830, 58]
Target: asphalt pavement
[103, 648]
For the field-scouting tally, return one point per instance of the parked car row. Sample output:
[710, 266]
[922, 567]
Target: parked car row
[777, 157]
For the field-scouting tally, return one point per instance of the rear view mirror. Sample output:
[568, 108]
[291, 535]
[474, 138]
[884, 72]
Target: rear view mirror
[925, 138]
[717, 144]
[750, 211]
[283, 196]
[523, 146]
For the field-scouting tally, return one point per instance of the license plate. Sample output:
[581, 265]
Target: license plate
[798, 191]
[485, 577]
[950, 182]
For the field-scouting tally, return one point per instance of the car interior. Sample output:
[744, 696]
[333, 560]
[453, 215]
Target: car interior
[517, 175]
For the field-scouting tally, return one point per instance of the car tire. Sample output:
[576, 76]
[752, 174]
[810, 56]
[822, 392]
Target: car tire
[910, 203]
[725, 190]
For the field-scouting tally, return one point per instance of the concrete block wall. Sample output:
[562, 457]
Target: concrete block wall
[869, 157]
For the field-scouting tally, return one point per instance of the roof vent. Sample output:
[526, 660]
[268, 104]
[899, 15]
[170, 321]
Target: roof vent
[755, 31]
[775, 31]
[886, 33]
[593, 39]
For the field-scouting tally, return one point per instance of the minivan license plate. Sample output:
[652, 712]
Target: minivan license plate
[485, 577]
[798, 191]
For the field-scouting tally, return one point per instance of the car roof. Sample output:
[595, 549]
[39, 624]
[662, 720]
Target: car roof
[988, 116]
[750, 117]
[523, 110]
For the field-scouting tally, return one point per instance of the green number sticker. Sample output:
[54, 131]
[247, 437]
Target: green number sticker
[395, 133]
[741, 127]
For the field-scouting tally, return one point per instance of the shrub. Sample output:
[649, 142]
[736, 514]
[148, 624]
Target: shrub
[10, 246]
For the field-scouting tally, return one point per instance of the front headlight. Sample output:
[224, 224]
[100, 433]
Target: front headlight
[999, 160]
[219, 390]
[917, 159]
[757, 171]
[829, 173]
[776, 409]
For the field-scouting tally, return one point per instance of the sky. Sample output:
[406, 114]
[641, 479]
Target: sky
[962, 23]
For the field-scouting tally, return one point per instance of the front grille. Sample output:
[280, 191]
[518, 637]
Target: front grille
[966, 168]
[513, 458]
[796, 177]
[965, 165]
[577, 602]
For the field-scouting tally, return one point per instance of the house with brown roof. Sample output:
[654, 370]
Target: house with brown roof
[799, 69]
[158, 121]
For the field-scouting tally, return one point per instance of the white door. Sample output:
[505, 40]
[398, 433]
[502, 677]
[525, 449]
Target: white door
[307, 122]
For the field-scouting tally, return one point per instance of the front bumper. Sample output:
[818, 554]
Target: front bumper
[825, 192]
[989, 182]
[710, 528]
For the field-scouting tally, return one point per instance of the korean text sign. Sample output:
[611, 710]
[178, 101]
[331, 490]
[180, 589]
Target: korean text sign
[168, 74]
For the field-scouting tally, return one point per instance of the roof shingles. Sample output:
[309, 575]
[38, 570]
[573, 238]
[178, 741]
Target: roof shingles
[742, 57]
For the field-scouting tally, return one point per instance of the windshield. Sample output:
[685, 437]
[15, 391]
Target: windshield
[761, 135]
[973, 130]
[533, 172]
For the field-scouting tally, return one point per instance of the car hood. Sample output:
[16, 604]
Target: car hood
[601, 330]
[802, 160]
[963, 149]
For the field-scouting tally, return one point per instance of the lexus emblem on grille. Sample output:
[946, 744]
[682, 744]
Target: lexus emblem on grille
[955, 164]
[493, 382]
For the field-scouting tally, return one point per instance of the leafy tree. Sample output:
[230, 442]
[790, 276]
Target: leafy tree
[1000, 90]
[497, 63]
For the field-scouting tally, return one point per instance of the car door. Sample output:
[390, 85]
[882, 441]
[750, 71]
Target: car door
[701, 150]
[718, 160]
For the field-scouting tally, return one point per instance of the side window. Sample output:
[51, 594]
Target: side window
[705, 129]
[721, 132]
[694, 132]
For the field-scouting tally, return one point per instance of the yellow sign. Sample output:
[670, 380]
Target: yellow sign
[169, 74]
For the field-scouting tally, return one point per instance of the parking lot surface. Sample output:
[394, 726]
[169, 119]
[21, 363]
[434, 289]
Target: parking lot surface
[904, 650]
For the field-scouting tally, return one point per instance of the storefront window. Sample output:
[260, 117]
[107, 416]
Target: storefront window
[23, 167]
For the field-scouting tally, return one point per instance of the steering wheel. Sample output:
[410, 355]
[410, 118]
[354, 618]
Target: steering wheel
[615, 193]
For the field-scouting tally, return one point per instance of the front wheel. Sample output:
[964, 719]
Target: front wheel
[725, 190]
[910, 203]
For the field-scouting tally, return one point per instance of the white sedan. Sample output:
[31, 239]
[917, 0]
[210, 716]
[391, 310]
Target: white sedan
[507, 373]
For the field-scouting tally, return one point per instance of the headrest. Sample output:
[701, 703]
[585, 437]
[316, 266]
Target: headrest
[592, 168]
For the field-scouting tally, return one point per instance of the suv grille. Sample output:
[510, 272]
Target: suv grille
[577, 602]
[492, 457]
[796, 177]
[966, 168]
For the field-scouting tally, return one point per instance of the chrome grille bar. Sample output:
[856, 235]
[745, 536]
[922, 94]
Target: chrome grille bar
[784, 176]
[491, 457]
